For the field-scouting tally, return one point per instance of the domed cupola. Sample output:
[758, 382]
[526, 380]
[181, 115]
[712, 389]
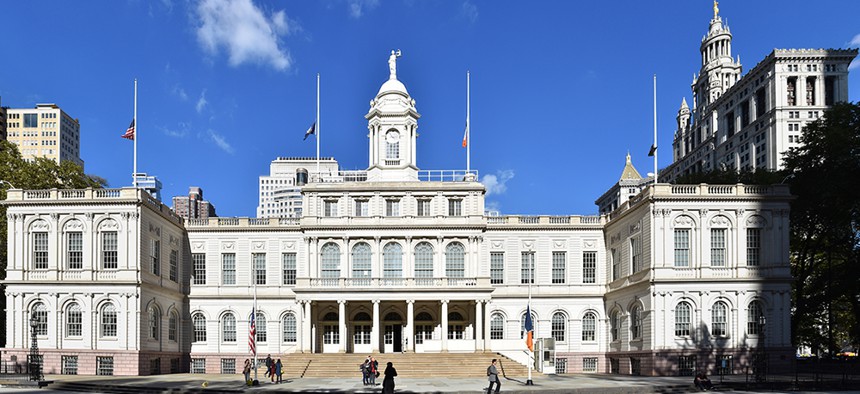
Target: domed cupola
[392, 123]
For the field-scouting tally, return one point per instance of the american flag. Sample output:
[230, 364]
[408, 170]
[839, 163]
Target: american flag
[129, 133]
[252, 333]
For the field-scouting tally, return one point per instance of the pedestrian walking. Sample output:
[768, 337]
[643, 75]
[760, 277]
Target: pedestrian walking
[374, 370]
[279, 369]
[246, 370]
[388, 381]
[493, 377]
[268, 364]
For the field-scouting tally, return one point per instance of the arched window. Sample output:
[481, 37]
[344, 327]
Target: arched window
[199, 327]
[109, 320]
[456, 326]
[559, 326]
[260, 325]
[614, 325]
[392, 145]
[719, 319]
[361, 316]
[361, 260]
[40, 314]
[754, 315]
[154, 322]
[424, 260]
[172, 326]
[497, 326]
[455, 260]
[330, 260]
[636, 323]
[392, 260]
[393, 316]
[589, 327]
[331, 316]
[290, 328]
[228, 328]
[523, 324]
[455, 316]
[683, 319]
[423, 316]
[74, 320]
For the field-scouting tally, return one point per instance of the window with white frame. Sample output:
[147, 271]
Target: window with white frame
[392, 145]
[40, 315]
[172, 326]
[75, 250]
[455, 260]
[635, 255]
[330, 261]
[558, 327]
[261, 327]
[718, 247]
[753, 247]
[754, 314]
[40, 250]
[456, 328]
[455, 207]
[104, 365]
[330, 208]
[683, 319]
[497, 268]
[259, 261]
[174, 265]
[289, 326]
[74, 320]
[361, 256]
[616, 264]
[289, 263]
[69, 365]
[497, 326]
[423, 207]
[614, 324]
[108, 320]
[392, 207]
[392, 260]
[682, 247]
[589, 327]
[228, 328]
[154, 322]
[589, 364]
[361, 207]
[636, 323]
[199, 323]
[424, 260]
[228, 268]
[719, 319]
[589, 267]
[199, 262]
[559, 267]
[527, 268]
[155, 256]
[198, 365]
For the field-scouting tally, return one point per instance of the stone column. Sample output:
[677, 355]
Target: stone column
[374, 331]
[478, 324]
[307, 335]
[444, 326]
[341, 321]
[410, 326]
[486, 325]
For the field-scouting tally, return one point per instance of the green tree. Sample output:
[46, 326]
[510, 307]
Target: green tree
[15, 172]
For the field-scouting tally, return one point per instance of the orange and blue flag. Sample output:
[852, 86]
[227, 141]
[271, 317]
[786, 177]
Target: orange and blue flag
[528, 327]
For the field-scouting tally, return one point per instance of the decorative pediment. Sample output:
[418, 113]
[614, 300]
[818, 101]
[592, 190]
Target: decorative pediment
[108, 225]
[756, 221]
[720, 221]
[683, 221]
[73, 225]
[39, 225]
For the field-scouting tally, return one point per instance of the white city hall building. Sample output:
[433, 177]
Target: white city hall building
[677, 278]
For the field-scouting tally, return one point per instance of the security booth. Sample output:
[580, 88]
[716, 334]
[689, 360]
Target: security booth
[545, 356]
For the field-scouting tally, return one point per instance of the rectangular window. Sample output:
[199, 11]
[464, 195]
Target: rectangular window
[104, 366]
[682, 248]
[635, 366]
[74, 322]
[198, 365]
[330, 208]
[589, 267]
[455, 331]
[174, 265]
[635, 255]
[614, 366]
[75, 250]
[70, 365]
[760, 105]
[560, 365]
[199, 261]
[289, 263]
[745, 114]
[155, 366]
[730, 124]
[331, 334]
[228, 366]
[454, 207]
[423, 207]
[31, 120]
[616, 264]
[40, 251]
[753, 247]
[527, 268]
[589, 364]
[497, 268]
[361, 208]
[725, 364]
[259, 260]
[392, 207]
[174, 365]
[559, 263]
[228, 268]
[155, 256]
[718, 247]
[686, 365]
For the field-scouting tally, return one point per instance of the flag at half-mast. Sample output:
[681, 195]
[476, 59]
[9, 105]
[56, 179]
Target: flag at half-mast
[311, 130]
[129, 133]
[529, 328]
[252, 333]
[466, 135]
[652, 151]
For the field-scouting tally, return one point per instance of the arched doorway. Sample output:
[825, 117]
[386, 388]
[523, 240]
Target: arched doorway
[361, 329]
[392, 339]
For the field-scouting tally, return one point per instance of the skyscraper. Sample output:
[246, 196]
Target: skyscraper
[45, 131]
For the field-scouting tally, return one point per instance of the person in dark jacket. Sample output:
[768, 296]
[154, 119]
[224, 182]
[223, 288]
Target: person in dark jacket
[388, 382]
[493, 377]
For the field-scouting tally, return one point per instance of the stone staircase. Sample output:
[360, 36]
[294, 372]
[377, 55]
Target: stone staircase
[408, 365]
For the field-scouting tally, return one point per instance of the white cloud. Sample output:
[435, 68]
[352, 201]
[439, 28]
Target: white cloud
[357, 7]
[244, 32]
[497, 183]
[854, 64]
[470, 11]
[492, 206]
[178, 91]
[855, 41]
[181, 130]
[201, 102]
[219, 140]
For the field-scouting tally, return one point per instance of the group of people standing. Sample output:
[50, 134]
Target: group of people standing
[274, 370]
[370, 371]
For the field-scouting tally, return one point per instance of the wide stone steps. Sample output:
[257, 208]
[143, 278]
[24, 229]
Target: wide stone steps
[408, 365]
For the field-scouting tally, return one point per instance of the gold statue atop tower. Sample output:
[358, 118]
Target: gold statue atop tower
[716, 9]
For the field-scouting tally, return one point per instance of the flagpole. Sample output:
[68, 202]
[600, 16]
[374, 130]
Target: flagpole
[529, 311]
[135, 135]
[655, 129]
[318, 124]
[468, 126]
[254, 319]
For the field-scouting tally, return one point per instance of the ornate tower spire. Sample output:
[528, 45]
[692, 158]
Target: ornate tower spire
[719, 70]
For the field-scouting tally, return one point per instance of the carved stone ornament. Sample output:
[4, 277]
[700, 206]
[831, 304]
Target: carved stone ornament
[589, 243]
[89, 216]
[614, 238]
[559, 243]
[756, 221]
[197, 245]
[703, 212]
[55, 216]
[720, 221]
[683, 221]
[39, 225]
[634, 228]
[73, 225]
[528, 244]
[497, 244]
[228, 245]
[259, 245]
[289, 245]
[108, 225]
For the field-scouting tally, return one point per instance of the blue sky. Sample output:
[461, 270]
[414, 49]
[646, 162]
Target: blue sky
[561, 90]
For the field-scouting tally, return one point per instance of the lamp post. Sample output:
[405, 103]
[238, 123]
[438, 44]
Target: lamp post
[35, 359]
[761, 360]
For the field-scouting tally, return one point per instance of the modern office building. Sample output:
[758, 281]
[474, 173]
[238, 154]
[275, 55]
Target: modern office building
[2, 120]
[193, 206]
[45, 131]
[280, 191]
[150, 183]
[748, 122]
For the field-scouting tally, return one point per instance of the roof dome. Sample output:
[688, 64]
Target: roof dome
[393, 86]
